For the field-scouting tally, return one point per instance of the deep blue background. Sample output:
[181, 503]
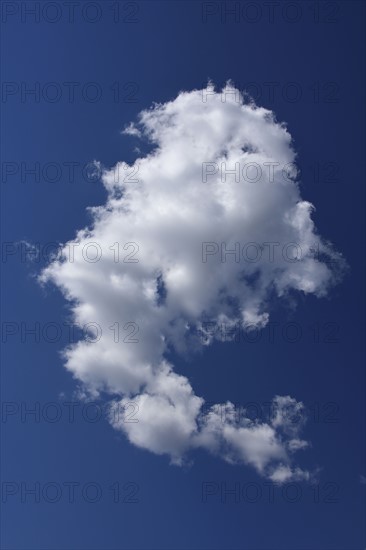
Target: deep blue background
[168, 49]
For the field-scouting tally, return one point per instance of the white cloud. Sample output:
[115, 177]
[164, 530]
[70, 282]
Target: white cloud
[168, 204]
[131, 130]
[284, 474]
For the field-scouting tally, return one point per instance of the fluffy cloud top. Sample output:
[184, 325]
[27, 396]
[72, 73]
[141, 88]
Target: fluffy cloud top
[219, 178]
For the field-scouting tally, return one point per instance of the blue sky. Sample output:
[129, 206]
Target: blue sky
[170, 47]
